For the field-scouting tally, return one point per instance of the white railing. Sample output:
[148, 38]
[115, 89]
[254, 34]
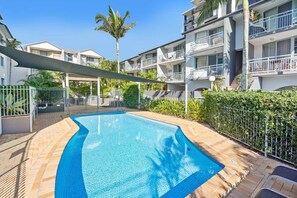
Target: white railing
[133, 67]
[206, 71]
[175, 76]
[208, 41]
[18, 100]
[175, 55]
[274, 64]
[149, 61]
[274, 22]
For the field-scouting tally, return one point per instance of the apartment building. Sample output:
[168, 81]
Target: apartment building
[9, 74]
[214, 48]
[168, 60]
[50, 50]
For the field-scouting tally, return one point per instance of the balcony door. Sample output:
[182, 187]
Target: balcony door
[278, 48]
[278, 17]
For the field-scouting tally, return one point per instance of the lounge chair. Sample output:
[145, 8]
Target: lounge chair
[284, 173]
[267, 193]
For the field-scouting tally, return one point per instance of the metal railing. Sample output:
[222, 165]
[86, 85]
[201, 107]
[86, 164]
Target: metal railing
[208, 41]
[272, 23]
[175, 76]
[206, 71]
[149, 61]
[274, 64]
[269, 133]
[18, 100]
[133, 67]
[179, 54]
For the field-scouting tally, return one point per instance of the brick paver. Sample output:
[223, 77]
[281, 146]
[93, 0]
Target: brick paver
[28, 162]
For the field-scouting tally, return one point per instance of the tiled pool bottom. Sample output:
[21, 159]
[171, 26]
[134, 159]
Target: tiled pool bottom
[122, 155]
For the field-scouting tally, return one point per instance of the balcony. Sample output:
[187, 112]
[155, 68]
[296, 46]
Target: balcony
[173, 77]
[208, 42]
[149, 62]
[274, 65]
[133, 67]
[273, 23]
[172, 56]
[206, 71]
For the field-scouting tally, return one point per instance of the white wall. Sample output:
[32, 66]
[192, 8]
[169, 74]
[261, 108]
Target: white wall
[276, 82]
[198, 84]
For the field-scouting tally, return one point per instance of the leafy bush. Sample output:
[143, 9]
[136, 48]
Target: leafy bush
[131, 96]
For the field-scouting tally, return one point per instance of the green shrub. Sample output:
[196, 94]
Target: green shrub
[131, 96]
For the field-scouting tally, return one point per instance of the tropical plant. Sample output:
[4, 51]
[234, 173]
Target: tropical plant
[10, 106]
[114, 24]
[43, 79]
[211, 5]
[11, 43]
[131, 96]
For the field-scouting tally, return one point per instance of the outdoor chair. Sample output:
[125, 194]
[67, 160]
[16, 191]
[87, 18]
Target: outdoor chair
[267, 193]
[284, 173]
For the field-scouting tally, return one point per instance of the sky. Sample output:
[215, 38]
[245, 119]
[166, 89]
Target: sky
[70, 24]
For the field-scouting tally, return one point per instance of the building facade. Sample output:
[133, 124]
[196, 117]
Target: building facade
[50, 50]
[214, 48]
[9, 74]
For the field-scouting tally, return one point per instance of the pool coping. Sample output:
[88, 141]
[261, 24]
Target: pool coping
[42, 168]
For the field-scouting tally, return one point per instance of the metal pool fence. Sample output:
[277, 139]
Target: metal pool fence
[271, 134]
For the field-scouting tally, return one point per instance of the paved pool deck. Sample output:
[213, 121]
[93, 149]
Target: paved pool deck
[28, 162]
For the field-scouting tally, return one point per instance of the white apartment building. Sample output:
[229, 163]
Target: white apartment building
[214, 48]
[9, 74]
[168, 60]
[50, 50]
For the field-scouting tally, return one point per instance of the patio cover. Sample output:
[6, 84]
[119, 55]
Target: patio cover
[29, 60]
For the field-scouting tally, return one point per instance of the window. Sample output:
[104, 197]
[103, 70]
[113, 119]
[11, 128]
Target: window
[1, 61]
[43, 53]
[69, 57]
[178, 47]
[277, 48]
[90, 59]
[177, 68]
[2, 81]
[200, 61]
[152, 55]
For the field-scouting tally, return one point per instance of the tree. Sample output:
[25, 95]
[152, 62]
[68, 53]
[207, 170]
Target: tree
[211, 5]
[114, 24]
[11, 43]
[43, 79]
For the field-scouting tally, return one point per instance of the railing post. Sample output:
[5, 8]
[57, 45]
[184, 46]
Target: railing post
[266, 137]
[268, 65]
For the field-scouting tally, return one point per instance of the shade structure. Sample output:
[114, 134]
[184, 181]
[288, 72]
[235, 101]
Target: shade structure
[34, 61]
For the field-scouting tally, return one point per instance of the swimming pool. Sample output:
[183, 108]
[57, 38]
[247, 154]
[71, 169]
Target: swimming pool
[118, 154]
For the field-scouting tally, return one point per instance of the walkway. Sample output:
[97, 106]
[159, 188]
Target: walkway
[29, 161]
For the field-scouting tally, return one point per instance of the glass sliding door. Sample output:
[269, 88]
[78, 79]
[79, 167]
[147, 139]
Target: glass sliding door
[284, 47]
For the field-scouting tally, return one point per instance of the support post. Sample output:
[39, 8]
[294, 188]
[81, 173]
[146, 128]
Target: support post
[186, 96]
[138, 95]
[67, 89]
[91, 88]
[98, 92]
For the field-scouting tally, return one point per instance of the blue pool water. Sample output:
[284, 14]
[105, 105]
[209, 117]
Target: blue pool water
[121, 155]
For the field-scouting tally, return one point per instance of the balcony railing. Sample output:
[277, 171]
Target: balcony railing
[284, 63]
[273, 23]
[132, 67]
[208, 41]
[149, 61]
[175, 76]
[206, 71]
[175, 55]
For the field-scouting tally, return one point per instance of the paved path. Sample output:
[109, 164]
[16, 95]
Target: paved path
[28, 162]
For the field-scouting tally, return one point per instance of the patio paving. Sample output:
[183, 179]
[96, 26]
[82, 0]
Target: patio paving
[29, 161]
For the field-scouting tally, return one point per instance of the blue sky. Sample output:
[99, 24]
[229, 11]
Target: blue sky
[71, 23]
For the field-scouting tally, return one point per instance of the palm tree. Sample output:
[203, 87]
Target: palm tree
[114, 25]
[11, 43]
[211, 5]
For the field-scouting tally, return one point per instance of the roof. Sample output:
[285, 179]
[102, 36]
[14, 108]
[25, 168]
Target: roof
[29, 60]
[30, 44]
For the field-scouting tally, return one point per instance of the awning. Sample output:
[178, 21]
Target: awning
[34, 61]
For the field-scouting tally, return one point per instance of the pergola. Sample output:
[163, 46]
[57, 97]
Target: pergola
[72, 71]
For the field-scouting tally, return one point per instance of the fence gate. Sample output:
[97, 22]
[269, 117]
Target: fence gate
[51, 99]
